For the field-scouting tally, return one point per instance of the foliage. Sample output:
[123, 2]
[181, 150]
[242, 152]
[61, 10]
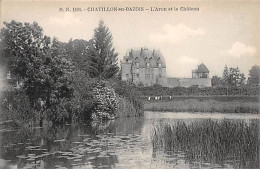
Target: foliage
[76, 51]
[105, 99]
[15, 107]
[130, 92]
[101, 54]
[254, 75]
[225, 75]
[37, 62]
[45, 69]
[235, 78]
[193, 91]
[216, 81]
[232, 77]
[82, 101]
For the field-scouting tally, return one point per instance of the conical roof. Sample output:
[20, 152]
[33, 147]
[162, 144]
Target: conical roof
[202, 68]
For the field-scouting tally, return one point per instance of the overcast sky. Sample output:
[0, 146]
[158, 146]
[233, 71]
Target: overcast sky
[220, 33]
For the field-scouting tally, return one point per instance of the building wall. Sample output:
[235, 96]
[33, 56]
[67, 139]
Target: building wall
[200, 75]
[200, 82]
[187, 82]
[148, 76]
[173, 82]
[126, 71]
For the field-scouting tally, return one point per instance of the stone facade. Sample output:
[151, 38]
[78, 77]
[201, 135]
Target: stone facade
[187, 82]
[148, 67]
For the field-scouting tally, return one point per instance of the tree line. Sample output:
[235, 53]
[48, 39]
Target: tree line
[232, 77]
[58, 74]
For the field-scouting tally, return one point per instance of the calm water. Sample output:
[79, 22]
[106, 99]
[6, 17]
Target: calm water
[157, 140]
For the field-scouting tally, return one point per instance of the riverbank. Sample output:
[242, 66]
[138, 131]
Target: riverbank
[205, 104]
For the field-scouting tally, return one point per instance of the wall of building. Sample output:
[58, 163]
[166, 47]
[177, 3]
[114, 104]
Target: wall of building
[173, 82]
[126, 70]
[187, 82]
[200, 82]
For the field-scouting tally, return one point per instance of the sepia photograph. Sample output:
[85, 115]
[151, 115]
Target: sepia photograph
[137, 84]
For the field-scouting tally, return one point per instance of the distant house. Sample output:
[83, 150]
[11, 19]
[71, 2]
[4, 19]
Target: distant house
[201, 72]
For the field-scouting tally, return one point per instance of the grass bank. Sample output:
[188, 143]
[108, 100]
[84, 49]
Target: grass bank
[209, 104]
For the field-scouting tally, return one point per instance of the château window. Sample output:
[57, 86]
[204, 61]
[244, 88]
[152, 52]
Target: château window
[147, 64]
[137, 65]
[127, 75]
[137, 70]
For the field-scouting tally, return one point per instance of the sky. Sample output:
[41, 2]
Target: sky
[220, 33]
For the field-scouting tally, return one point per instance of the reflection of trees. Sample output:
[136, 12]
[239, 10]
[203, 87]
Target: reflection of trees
[49, 138]
[9, 142]
[129, 125]
[211, 141]
[104, 125]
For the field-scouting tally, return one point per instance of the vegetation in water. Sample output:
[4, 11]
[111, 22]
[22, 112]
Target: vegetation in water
[211, 141]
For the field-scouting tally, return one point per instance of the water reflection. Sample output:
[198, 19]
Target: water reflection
[137, 142]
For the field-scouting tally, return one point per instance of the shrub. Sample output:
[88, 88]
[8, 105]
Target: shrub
[105, 99]
[131, 94]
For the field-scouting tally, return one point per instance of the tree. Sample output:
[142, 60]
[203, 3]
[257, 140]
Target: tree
[20, 45]
[232, 77]
[254, 75]
[102, 57]
[216, 81]
[225, 76]
[36, 61]
[76, 51]
[236, 79]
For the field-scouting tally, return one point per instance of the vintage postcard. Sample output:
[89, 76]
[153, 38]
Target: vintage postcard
[116, 84]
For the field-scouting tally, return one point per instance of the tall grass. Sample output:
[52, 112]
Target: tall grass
[130, 103]
[127, 108]
[209, 105]
[211, 141]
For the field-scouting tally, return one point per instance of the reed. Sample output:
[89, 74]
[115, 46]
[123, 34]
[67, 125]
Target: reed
[127, 108]
[211, 141]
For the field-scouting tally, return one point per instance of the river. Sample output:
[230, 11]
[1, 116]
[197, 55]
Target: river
[156, 140]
